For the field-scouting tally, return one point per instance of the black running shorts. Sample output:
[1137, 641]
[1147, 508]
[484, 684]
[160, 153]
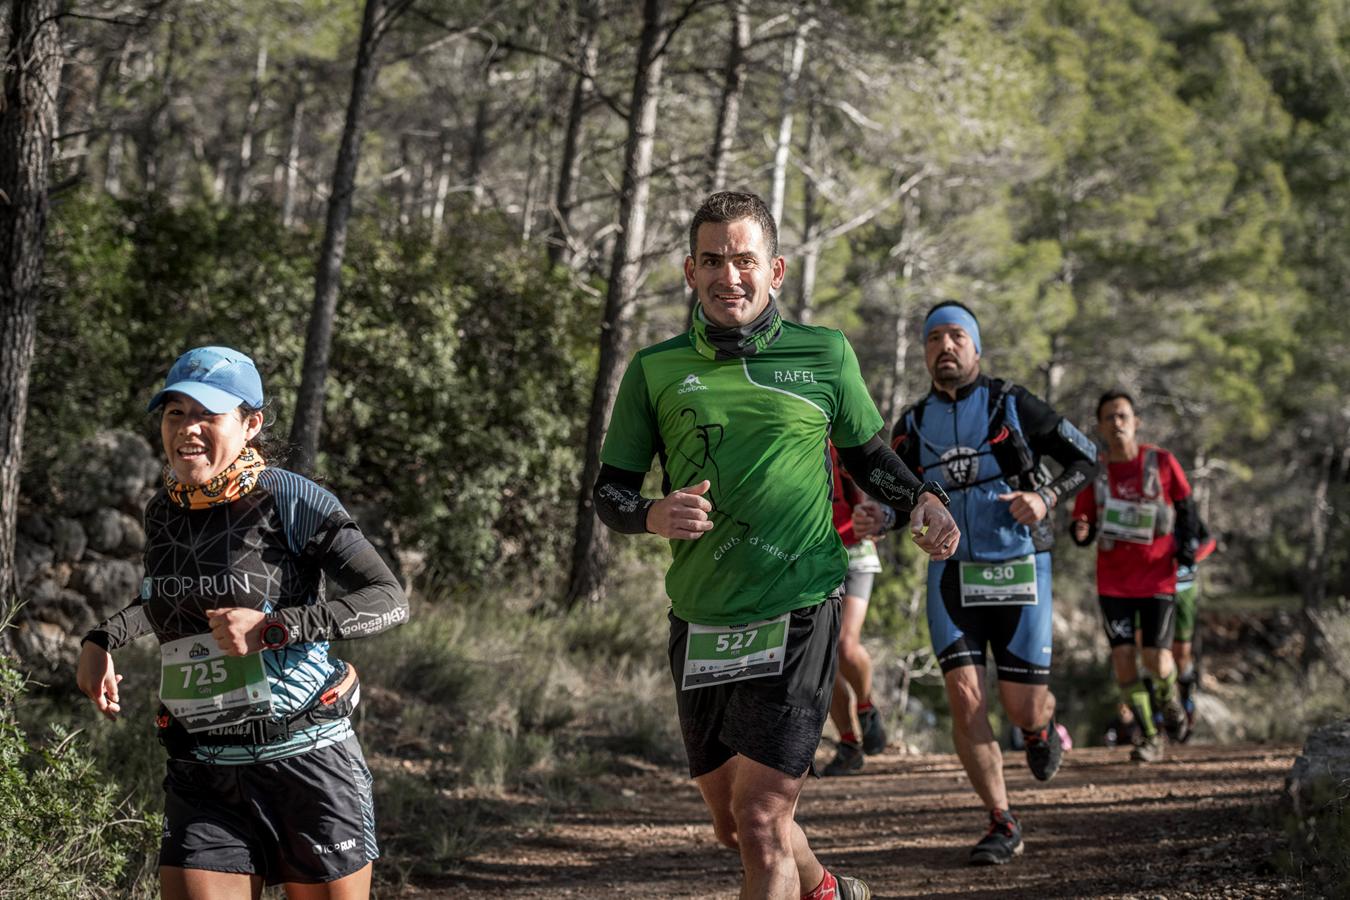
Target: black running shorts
[774, 720]
[308, 819]
[1154, 617]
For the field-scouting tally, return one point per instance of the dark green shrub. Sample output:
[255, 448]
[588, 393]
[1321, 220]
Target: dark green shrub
[459, 377]
[65, 830]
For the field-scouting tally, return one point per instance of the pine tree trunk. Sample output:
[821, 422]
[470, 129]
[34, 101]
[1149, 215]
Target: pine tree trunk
[1054, 370]
[446, 159]
[32, 74]
[292, 175]
[478, 144]
[733, 86]
[903, 306]
[538, 169]
[112, 160]
[308, 424]
[895, 395]
[561, 248]
[1330, 471]
[806, 282]
[783, 147]
[158, 126]
[406, 199]
[241, 194]
[590, 553]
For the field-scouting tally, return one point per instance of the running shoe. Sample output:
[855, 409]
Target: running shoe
[1001, 844]
[1150, 749]
[1186, 686]
[1045, 750]
[1176, 721]
[849, 888]
[847, 760]
[1121, 733]
[873, 731]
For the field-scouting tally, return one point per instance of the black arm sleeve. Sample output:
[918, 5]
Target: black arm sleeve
[878, 471]
[121, 628]
[1185, 531]
[1052, 435]
[373, 600]
[618, 499]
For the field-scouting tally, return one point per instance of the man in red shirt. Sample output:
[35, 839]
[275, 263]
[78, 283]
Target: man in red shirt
[861, 730]
[1142, 515]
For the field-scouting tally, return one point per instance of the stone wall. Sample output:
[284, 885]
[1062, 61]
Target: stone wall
[80, 561]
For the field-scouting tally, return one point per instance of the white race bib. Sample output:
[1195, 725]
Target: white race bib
[863, 559]
[203, 688]
[718, 654]
[1126, 521]
[1011, 582]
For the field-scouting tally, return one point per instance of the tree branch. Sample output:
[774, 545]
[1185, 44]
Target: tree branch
[866, 215]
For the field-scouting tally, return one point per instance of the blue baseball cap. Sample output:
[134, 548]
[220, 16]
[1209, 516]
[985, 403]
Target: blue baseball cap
[218, 378]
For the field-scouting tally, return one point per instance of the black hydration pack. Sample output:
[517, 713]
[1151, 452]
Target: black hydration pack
[1013, 457]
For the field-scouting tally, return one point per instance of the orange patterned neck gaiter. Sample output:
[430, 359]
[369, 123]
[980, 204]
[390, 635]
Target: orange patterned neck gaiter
[240, 477]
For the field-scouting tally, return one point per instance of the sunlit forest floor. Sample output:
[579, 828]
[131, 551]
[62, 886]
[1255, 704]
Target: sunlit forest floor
[1197, 825]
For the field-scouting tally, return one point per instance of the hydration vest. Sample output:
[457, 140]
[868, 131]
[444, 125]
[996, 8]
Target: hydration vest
[990, 456]
[1008, 447]
[1152, 492]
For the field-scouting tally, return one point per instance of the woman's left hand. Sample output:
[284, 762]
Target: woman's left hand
[237, 629]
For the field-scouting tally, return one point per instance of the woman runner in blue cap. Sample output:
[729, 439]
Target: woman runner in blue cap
[266, 782]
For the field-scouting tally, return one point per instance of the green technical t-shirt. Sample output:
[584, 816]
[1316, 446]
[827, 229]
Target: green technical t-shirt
[756, 428]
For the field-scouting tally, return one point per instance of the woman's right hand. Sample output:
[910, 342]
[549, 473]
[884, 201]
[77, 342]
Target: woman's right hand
[98, 679]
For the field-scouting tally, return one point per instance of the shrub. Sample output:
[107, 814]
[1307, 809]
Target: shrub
[64, 832]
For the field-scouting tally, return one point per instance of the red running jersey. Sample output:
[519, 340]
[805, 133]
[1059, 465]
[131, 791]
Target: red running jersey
[1137, 570]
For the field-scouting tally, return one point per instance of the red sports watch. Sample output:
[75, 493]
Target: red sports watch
[275, 634]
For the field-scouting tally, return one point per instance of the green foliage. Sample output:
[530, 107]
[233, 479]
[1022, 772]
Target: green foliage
[64, 830]
[132, 285]
[422, 831]
[453, 375]
[609, 633]
[453, 371]
[895, 611]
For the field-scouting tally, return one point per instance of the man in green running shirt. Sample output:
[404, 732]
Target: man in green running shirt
[739, 410]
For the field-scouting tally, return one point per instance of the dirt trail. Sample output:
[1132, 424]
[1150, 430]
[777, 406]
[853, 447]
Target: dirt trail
[1197, 825]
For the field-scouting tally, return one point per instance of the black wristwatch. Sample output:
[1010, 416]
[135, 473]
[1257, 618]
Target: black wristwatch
[275, 634]
[932, 487]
